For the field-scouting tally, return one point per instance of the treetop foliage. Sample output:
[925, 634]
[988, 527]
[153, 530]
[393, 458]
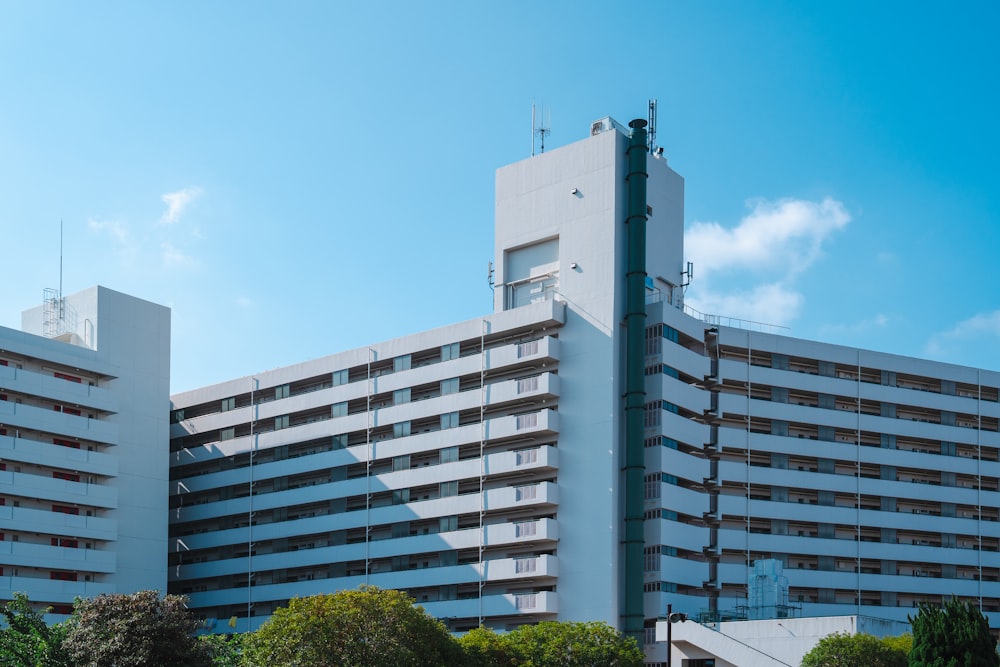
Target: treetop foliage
[842, 649]
[955, 635]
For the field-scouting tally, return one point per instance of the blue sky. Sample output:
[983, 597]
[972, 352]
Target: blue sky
[294, 179]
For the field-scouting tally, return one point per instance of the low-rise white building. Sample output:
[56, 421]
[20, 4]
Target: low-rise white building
[84, 404]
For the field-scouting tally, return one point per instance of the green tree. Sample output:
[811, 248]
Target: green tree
[568, 644]
[225, 650]
[846, 650]
[956, 635]
[356, 628]
[137, 630]
[485, 648]
[28, 641]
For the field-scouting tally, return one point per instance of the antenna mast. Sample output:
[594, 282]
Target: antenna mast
[61, 311]
[652, 125]
[539, 128]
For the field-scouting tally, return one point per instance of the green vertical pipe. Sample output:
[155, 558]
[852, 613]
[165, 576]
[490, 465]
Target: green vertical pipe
[635, 379]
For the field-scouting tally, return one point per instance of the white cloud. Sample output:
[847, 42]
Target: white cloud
[787, 233]
[172, 256]
[776, 241]
[978, 327]
[770, 303]
[176, 203]
[117, 230]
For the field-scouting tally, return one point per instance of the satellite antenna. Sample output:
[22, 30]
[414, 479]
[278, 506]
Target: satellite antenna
[539, 127]
[652, 126]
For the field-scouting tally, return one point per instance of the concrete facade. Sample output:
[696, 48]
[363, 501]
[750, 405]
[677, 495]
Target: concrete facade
[83, 449]
[478, 465]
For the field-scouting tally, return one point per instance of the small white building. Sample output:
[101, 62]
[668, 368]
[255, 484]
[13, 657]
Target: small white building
[780, 642]
[84, 408]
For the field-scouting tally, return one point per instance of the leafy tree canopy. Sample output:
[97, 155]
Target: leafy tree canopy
[28, 641]
[137, 630]
[356, 628]
[846, 650]
[955, 635]
[552, 643]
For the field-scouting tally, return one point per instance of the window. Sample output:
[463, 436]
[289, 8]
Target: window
[527, 349]
[448, 523]
[401, 429]
[177, 416]
[449, 352]
[652, 487]
[449, 454]
[449, 420]
[448, 489]
[526, 456]
[525, 528]
[526, 492]
[338, 409]
[69, 477]
[401, 363]
[526, 421]
[525, 385]
[70, 378]
[340, 377]
[525, 565]
[400, 496]
[227, 433]
[62, 576]
[66, 410]
[280, 422]
[281, 392]
[449, 386]
[339, 441]
[401, 396]
[65, 443]
[64, 542]
[401, 462]
[228, 404]
[66, 509]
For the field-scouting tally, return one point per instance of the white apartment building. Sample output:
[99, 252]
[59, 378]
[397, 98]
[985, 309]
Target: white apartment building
[84, 432]
[480, 466]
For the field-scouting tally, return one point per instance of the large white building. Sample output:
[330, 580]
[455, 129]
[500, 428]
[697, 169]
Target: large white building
[84, 404]
[481, 466]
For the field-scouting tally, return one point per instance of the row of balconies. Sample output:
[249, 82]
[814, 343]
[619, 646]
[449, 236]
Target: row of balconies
[16, 415]
[23, 554]
[535, 495]
[27, 450]
[57, 490]
[518, 533]
[24, 519]
[49, 591]
[498, 571]
[508, 357]
[531, 425]
[47, 386]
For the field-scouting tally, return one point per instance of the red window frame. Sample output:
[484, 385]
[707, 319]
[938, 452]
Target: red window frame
[66, 509]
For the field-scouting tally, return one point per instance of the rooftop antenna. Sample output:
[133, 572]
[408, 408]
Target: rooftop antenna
[652, 126]
[539, 127]
[489, 275]
[62, 312]
[689, 272]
